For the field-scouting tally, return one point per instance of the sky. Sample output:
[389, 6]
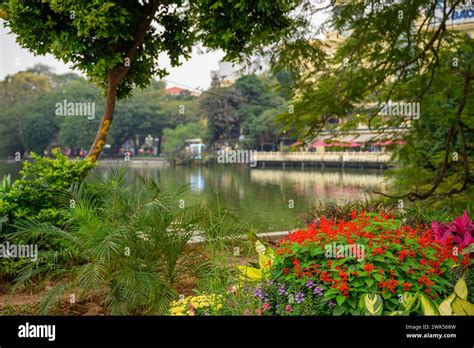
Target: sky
[194, 73]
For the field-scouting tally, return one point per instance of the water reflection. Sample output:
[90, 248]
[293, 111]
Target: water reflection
[260, 197]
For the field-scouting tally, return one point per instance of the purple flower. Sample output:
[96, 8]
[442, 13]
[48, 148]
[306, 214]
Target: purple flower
[310, 283]
[299, 297]
[281, 290]
[331, 304]
[257, 293]
[318, 291]
[270, 282]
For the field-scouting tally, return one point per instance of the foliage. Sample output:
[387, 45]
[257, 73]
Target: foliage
[458, 232]
[220, 106]
[371, 254]
[265, 258]
[133, 243]
[174, 140]
[117, 44]
[343, 211]
[456, 303]
[248, 108]
[377, 60]
[35, 194]
[197, 305]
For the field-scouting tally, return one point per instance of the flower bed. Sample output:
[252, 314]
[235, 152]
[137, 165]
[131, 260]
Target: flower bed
[329, 267]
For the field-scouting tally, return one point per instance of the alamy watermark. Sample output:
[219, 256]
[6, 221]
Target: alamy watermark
[30, 251]
[237, 156]
[339, 251]
[86, 109]
[401, 109]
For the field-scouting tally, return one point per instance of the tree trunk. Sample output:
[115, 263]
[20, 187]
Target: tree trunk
[106, 121]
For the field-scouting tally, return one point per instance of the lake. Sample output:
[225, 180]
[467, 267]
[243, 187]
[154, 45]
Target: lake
[270, 199]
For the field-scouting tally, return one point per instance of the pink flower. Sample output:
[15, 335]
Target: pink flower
[288, 308]
[258, 312]
[265, 307]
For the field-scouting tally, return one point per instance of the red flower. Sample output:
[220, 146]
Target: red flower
[377, 251]
[368, 267]
[324, 277]
[406, 286]
[424, 280]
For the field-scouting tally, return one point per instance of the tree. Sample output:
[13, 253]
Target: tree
[400, 51]
[18, 93]
[117, 44]
[220, 106]
[173, 139]
[257, 99]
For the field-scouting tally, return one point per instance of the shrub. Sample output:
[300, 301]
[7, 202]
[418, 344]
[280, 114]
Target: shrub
[38, 195]
[396, 260]
[459, 232]
[134, 244]
[35, 194]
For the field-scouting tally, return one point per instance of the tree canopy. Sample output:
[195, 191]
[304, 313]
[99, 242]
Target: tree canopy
[117, 43]
[403, 51]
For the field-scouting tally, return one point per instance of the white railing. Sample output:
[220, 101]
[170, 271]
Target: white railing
[363, 156]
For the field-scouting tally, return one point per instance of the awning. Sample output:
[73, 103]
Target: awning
[390, 142]
[320, 143]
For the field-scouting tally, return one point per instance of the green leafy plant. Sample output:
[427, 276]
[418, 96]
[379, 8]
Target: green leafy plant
[456, 303]
[133, 242]
[372, 264]
[265, 260]
[35, 194]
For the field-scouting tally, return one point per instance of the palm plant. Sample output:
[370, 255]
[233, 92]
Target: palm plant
[133, 241]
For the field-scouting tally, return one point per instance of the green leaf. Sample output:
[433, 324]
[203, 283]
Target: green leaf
[250, 273]
[409, 301]
[340, 299]
[461, 288]
[445, 306]
[428, 307]
[352, 302]
[339, 310]
[469, 249]
[315, 250]
[373, 304]
[462, 307]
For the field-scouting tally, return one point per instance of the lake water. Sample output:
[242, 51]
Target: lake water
[270, 199]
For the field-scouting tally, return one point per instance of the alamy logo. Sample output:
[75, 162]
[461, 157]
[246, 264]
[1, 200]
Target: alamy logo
[75, 109]
[37, 331]
[401, 109]
[339, 251]
[30, 251]
[237, 156]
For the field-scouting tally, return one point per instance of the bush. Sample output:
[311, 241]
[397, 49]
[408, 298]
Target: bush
[133, 241]
[35, 194]
[371, 254]
[38, 195]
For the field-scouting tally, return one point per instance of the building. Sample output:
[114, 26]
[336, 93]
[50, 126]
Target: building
[177, 91]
